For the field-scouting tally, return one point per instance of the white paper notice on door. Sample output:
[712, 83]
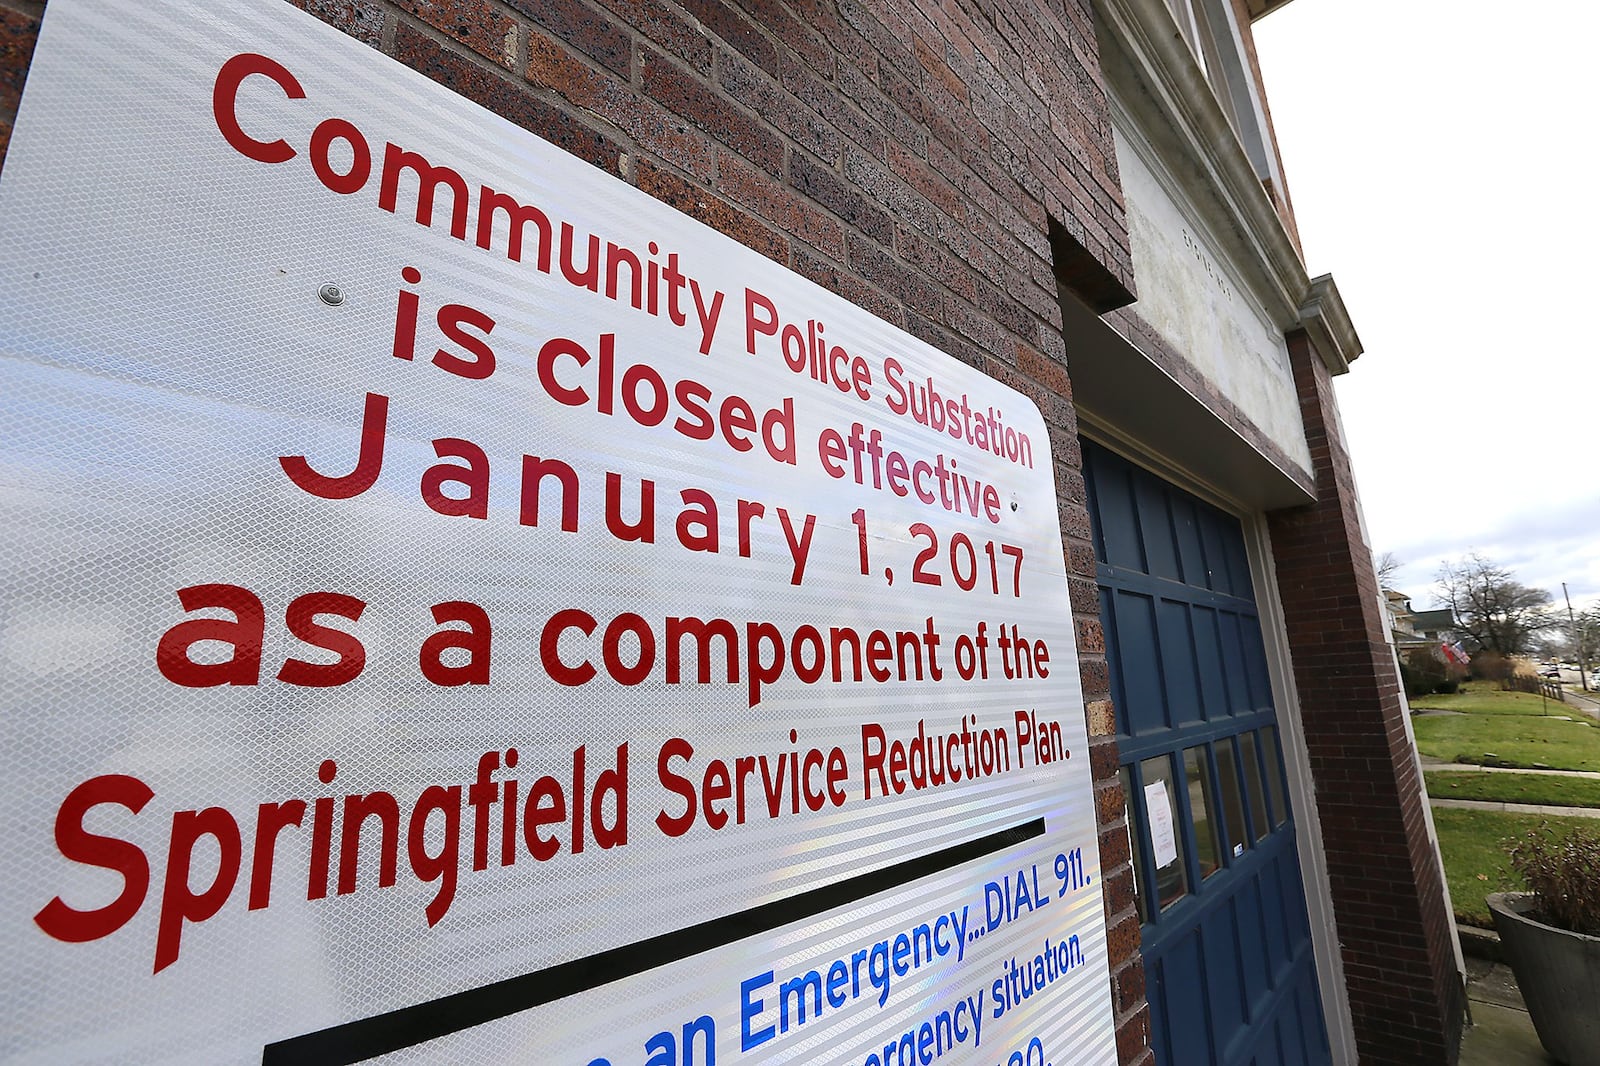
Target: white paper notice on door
[1159, 809]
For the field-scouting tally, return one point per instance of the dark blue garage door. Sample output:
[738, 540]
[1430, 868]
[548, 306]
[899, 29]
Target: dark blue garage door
[1227, 948]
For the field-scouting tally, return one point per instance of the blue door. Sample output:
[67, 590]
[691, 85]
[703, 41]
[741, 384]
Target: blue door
[1227, 949]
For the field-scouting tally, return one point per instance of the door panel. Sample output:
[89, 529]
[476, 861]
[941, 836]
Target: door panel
[1226, 943]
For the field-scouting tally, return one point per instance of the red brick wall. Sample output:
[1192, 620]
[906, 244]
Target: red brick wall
[19, 26]
[1394, 928]
[939, 164]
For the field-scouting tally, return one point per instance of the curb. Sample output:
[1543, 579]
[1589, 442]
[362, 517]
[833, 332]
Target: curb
[1480, 943]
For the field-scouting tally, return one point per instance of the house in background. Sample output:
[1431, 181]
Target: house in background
[1411, 628]
[1401, 618]
[1439, 625]
[1433, 633]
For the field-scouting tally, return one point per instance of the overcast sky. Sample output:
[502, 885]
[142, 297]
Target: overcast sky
[1441, 158]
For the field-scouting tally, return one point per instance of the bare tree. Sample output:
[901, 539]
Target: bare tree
[1492, 607]
[1386, 565]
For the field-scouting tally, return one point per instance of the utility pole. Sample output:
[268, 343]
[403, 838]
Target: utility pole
[1583, 655]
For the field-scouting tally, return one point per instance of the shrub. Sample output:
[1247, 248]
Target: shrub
[1491, 666]
[1563, 873]
[1423, 672]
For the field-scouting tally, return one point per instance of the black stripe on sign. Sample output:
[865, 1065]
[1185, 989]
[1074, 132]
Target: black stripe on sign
[409, 1026]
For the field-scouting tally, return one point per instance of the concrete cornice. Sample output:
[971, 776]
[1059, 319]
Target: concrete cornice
[1324, 318]
[1179, 98]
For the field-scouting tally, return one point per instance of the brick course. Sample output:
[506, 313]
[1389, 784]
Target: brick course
[1395, 931]
[19, 29]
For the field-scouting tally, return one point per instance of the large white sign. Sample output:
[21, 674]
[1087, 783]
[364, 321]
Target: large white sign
[453, 606]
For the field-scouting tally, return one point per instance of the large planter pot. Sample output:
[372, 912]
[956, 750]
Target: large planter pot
[1559, 975]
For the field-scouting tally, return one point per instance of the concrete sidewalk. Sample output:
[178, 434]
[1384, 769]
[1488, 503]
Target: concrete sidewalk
[1501, 1033]
[1430, 763]
[1542, 809]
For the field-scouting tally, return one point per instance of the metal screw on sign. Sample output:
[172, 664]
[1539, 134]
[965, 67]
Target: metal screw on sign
[331, 295]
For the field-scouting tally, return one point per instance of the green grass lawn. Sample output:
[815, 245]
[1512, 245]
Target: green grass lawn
[1513, 727]
[1475, 863]
[1513, 788]
[1509, 740]
[1481, 697]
